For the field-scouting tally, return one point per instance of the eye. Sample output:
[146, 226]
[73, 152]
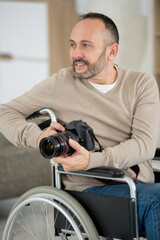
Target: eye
[72, 45]
[86, 45]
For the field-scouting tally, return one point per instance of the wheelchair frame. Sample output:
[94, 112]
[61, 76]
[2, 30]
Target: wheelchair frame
[109, 174]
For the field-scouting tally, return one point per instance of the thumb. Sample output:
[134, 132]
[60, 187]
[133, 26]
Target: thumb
[75, 145]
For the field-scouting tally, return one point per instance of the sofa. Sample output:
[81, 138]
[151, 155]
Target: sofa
[21, 169]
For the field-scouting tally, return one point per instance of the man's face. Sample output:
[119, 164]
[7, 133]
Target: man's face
[87, 48]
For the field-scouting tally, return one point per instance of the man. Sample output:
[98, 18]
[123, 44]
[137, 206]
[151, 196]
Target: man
[121, 105]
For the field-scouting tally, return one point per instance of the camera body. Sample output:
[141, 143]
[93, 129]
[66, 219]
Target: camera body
[57, 145]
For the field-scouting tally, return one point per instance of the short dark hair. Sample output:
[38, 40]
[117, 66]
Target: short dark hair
[110, 25]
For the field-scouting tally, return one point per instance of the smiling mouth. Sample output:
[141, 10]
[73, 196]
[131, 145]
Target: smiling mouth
[80, 64]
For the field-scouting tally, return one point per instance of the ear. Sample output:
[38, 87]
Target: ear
[112, 51]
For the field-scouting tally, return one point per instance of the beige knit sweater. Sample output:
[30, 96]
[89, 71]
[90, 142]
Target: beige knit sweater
[125, 120]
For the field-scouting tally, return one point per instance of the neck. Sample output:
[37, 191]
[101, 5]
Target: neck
[106, 76]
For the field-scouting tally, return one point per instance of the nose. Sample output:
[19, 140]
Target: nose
[77, 53]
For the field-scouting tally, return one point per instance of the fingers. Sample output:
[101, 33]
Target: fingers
[79, 160]
[57, 126]
[75, 145]
[51, 130]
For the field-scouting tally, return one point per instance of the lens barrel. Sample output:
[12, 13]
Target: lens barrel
[49, 147]
[56, 145]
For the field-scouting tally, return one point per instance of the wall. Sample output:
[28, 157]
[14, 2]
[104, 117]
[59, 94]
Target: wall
[23, 35]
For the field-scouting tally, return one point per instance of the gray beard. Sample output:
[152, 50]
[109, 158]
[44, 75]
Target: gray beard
[93, 69]
[90, 73]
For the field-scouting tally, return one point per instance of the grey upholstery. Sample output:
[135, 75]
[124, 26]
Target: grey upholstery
[21, 169]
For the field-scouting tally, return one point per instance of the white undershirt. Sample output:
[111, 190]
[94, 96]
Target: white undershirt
[104, 88]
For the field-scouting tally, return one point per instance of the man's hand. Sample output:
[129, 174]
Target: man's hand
[51, 130]
[79, 160]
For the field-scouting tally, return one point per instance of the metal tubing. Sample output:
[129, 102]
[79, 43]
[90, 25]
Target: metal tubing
[50, 112]
[128, 180]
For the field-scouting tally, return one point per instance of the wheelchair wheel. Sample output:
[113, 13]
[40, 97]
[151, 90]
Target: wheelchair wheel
[48, 213]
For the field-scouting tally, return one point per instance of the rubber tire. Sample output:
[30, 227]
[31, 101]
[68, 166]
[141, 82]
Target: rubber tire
[60, 195]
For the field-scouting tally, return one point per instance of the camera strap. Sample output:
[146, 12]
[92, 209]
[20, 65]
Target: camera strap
[100, 146]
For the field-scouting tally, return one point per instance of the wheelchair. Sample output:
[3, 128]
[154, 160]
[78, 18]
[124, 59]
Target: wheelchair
[49, 212]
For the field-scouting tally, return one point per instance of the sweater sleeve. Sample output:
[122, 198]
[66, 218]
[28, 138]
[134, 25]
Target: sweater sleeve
[13, 124]
[141, 145]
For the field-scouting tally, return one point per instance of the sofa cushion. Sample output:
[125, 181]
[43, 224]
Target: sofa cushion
[21, 169]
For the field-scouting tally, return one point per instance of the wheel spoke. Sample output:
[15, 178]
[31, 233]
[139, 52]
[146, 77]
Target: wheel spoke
[43, 214]
[34, 221]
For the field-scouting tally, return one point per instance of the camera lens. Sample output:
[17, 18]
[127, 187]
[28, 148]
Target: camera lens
[50, 147]
[57, 145]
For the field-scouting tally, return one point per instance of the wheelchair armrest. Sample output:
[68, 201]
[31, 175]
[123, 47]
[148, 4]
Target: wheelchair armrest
[108, 172]
[34, 115]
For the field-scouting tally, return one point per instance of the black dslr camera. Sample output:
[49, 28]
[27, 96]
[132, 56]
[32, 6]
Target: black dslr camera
[57, 145]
